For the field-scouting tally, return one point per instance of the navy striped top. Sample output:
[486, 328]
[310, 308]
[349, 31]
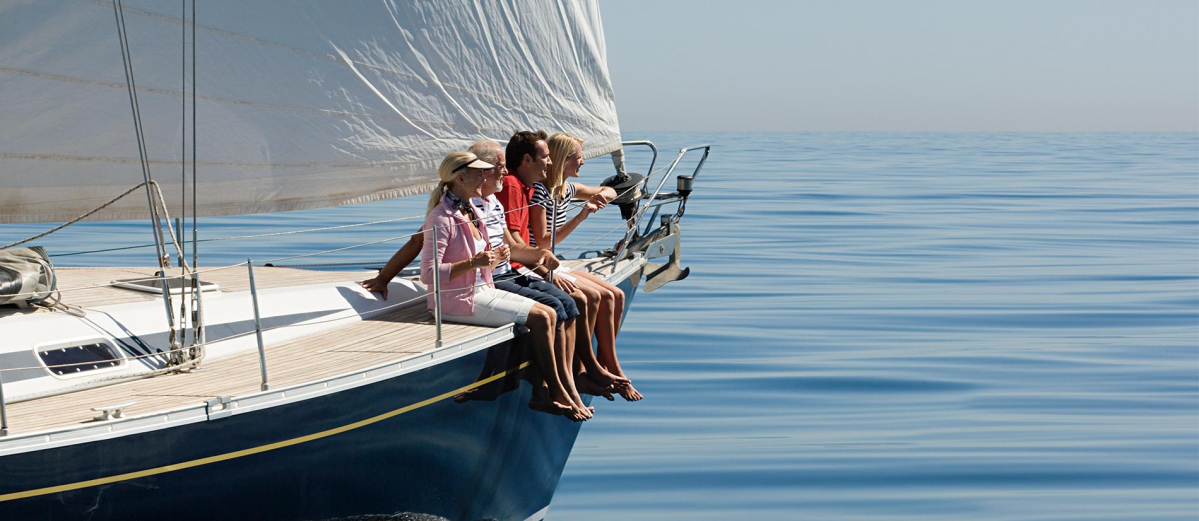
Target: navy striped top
[554, 213]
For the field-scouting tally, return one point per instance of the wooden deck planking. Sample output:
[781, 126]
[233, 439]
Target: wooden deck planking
[389, 337]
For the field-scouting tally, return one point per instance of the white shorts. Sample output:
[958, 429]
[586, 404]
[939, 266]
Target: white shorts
[494, 308]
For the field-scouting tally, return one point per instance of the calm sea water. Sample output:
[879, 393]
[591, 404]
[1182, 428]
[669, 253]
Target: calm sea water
[879, 326]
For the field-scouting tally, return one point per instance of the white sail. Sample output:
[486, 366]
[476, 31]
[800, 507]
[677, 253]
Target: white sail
[300, 104]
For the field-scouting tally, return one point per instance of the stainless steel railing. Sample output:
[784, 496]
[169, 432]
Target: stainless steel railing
[636, 220]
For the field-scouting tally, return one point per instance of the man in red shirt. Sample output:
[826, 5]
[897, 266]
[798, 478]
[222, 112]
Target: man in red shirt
[528, 159]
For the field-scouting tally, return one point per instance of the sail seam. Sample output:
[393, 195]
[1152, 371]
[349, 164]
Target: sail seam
[293, 108]
[335, 59]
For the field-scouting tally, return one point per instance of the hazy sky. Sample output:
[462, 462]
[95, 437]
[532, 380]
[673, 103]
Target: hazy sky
[924, 65]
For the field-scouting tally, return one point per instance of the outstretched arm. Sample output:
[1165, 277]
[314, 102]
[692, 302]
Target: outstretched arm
[584, 193]
[537, 220]
[403, 257]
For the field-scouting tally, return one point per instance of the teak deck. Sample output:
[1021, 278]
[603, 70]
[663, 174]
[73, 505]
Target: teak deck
[386, 338]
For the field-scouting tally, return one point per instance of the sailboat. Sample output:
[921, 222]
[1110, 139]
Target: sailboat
[184, 391]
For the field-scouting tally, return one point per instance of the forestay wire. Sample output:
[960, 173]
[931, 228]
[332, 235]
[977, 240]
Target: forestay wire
[623, 224]
[262, 235]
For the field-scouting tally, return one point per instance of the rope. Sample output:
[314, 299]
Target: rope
[326, 265]
[314, 229]
[573, 206]
[171, 229]
[77, 219]
[597, 239]
[259, 236]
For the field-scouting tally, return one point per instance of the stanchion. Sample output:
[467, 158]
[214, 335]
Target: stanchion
[257, 325]
[436, 287]
[3, 408]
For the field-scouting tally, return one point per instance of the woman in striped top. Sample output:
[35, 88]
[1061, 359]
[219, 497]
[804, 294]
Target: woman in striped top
[557, 208]
[552, 200]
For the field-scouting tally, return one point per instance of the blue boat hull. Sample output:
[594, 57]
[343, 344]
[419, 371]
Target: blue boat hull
[412, 443]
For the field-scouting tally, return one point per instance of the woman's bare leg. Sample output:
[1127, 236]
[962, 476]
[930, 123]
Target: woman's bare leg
[610, 309]
[604, 379]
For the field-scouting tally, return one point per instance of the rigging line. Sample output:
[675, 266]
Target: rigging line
[182, 244]
[195, 207]
[272, 261]
[77, 219]
[105, 250]
[326, 228]
[127, 61]
[597, 239]
[197, 295]
[144, 154]
[573, 206]
[174, 241]
[239, 237]
[327, 264]
[183, 129]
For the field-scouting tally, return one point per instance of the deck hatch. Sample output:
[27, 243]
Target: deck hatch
[79, 358]
[175, 285]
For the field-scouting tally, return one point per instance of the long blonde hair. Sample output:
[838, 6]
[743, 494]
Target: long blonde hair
[448, 174]
[561, 145]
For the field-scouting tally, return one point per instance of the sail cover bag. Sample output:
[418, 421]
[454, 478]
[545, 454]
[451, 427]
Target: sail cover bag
[26, 275]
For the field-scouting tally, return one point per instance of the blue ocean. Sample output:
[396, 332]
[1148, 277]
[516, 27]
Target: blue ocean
[981, 326]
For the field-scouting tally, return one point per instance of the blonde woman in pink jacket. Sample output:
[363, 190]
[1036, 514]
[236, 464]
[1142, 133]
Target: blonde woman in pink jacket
[464, 264]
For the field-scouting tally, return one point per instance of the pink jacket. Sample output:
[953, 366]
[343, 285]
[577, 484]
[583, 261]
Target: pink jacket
[454, 244]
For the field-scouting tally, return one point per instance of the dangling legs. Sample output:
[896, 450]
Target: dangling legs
[605, 380]
[541, 335]
[610, 309]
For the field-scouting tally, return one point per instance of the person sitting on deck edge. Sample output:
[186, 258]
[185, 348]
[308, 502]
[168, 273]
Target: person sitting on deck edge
[462, 256]
[551, 202]
[562, 304]
[528, 158]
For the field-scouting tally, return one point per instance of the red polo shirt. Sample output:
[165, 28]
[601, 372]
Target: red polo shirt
[515, 197]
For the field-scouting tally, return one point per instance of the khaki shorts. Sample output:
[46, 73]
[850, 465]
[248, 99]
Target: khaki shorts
[495, 308]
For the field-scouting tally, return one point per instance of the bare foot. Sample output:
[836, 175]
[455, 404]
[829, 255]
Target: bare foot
[551, 407]
[629, 393]
[573, 413]
[575, 402]
[605, 378]
[586, 413]
[587, 386]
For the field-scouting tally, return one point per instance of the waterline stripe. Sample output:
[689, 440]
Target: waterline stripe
[259, 449]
